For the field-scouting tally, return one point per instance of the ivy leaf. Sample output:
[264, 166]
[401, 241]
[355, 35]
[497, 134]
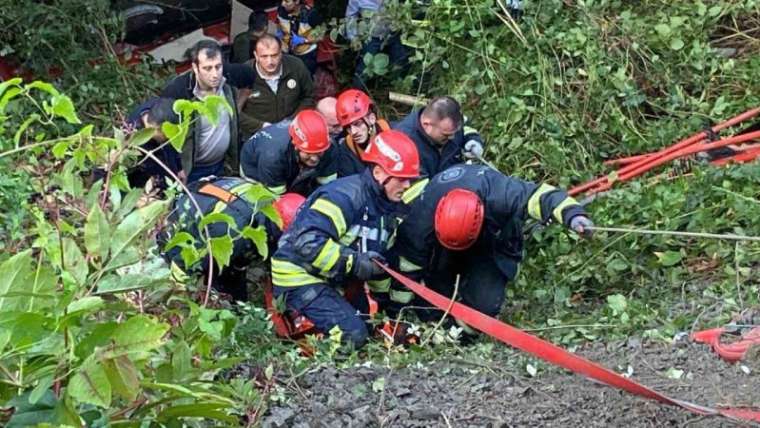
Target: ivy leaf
[64, 107]
[97, 233]
[217, 217]
[258, 193]
[663, 30]
[175, 134]
[668, 258]
[617, 303]
[259, 238]
[221, 248]
[44, 87]
[90, 384]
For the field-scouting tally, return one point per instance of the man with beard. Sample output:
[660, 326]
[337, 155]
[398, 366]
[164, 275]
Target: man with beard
[290, 156]
[209, 149]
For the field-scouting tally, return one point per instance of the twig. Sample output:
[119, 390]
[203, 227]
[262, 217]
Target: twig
[445, 313]
[558, 327]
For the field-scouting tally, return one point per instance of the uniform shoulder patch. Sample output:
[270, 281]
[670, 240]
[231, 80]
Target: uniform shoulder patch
[451, 174]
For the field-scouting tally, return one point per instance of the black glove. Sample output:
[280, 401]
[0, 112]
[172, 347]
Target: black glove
[582, 225]
[365, 268]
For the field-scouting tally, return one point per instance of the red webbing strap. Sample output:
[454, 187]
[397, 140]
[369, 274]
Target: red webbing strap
[556, 355]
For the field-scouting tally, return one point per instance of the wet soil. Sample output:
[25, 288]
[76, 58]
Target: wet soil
[496, 392]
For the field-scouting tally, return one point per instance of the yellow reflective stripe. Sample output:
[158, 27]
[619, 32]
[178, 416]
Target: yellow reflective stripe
[327, 179]
[401, 296]
[219, 207]
[469, 130]
[348, 238]
[534, 203]
[332, 212]
[349, 263]
[277, 190]
[286, 274]
[414, 191]
[406, 266]
[557, 213]
[327, 257]
[380, 285]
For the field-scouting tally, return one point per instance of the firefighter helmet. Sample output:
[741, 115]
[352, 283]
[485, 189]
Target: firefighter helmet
[459, 219]
[287, 206]
[352, 105]
[395, 153]
[308, 132]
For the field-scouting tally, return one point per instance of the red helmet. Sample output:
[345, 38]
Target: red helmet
[287, 206]
[395, 153]
[352, 105]
[308, 131]
[458, 219]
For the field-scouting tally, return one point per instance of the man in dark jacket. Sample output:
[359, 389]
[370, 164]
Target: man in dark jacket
[291, 156]
[230, 196]
[468, 221]
[281, 86]
[209, 149]
[339, 231]
[441, 135]
[151, 114]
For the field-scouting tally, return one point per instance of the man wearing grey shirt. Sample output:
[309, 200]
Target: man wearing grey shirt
[209, 149]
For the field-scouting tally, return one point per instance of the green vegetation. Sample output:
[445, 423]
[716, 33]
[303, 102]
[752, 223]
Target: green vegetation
[94, 330]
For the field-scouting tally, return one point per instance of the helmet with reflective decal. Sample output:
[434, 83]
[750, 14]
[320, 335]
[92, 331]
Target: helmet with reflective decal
[308, 132]
[395, 153]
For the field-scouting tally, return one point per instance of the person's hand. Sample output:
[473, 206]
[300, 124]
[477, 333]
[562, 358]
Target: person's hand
[365, 268]
[297, 40]
[582, 225]
[265, 124]
[473, 149]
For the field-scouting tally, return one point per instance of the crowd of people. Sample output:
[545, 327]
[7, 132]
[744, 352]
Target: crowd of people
[353, 189]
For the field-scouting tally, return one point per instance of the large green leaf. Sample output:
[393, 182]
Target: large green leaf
[137, 335]
[217, 217]
[124, 377]
[90, 384]
[198, 410]
[27, 414]
[62, 106]
[14, 277]
[134, 225]
[97, 233]
[144, 274]
[42, 293]
[74, 262]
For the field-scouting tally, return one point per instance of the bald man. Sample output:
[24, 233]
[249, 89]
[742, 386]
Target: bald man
[326, 106]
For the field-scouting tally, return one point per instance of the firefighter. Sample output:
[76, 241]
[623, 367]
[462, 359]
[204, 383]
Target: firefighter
[468, 221]
[227, 195]
[340, 230]
[293, 156]
[358, 117]
[442, 137]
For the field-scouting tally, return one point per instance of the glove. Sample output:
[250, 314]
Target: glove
[279, 34]
[582, 225]
[365, 268]
[473, 149]
[297, 40]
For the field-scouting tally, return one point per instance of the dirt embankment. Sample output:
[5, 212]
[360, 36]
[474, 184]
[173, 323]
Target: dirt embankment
[495, 393]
